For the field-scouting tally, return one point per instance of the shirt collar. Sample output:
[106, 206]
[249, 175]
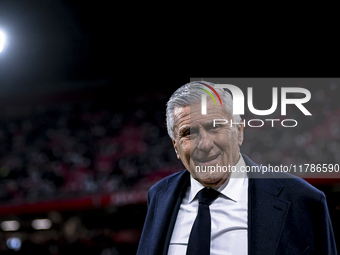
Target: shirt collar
[231, 188]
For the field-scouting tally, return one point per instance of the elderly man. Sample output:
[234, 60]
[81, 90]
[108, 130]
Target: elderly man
[210, 209]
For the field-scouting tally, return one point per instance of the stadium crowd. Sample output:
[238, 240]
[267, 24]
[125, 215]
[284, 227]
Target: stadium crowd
[74, 148]
[80, 147]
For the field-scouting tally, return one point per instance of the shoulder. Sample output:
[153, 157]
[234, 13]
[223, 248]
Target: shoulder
[167, 182]
[299, 188]
[288, 185]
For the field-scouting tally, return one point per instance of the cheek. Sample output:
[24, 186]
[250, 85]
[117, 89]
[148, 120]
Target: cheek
[233, 144]
[185, 148]
[230, 144]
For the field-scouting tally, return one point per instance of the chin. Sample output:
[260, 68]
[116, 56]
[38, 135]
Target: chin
[212, 181]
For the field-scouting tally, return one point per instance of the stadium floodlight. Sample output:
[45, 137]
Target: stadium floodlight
[41, 224]
[10, 225]
[2, 40]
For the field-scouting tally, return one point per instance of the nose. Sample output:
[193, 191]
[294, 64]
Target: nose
[205, 143]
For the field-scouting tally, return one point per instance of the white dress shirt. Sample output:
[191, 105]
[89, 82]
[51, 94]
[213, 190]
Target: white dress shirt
[229, 217]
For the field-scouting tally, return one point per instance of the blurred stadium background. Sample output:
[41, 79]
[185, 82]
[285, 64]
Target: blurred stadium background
[80, 147]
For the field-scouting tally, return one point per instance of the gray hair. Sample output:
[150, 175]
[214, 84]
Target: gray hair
[190, 93]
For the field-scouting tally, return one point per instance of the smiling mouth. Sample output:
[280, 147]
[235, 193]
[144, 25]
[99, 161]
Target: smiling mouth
[209, 160]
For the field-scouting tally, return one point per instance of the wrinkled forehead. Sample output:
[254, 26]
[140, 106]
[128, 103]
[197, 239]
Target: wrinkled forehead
[192, 114]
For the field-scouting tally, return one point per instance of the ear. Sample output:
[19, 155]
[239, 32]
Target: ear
[240, 134]
[175, 147]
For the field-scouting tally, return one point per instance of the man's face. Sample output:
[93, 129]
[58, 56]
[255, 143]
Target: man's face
[199, 144]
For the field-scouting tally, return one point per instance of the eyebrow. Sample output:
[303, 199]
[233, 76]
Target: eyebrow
[208, 124]
[194, 128]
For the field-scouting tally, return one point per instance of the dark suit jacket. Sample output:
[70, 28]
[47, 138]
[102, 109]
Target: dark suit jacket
[285, 216]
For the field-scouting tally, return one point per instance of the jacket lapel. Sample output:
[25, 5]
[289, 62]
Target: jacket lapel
[267, 214]
[167, 205]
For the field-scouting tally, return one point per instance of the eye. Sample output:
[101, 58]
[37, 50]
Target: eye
[216, 127]
[186, 132]
[193, 131]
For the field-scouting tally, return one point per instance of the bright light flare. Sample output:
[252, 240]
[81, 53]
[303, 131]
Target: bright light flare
[41, 224]
[2, 40]
[14, 243]
[10, 225]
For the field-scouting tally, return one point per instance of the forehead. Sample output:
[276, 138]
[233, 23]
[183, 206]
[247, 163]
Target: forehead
[192, 115]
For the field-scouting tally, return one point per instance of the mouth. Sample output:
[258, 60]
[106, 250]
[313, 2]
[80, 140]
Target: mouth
[207, 160]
